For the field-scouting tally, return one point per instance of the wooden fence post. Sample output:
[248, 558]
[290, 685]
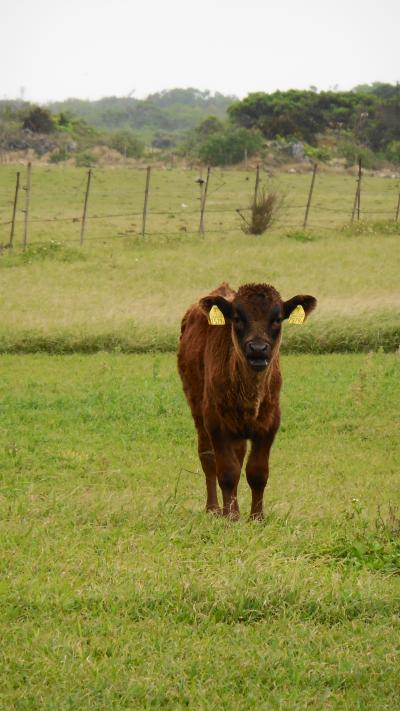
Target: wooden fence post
[146, 198]
[257, 184]
[359, 188]
[357, 197]
[11, 243]
[396, 219]
[85, 205]
[310, 194]
[204, 189]
[27, 199]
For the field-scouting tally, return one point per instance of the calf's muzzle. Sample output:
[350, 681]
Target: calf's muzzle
[258, 354]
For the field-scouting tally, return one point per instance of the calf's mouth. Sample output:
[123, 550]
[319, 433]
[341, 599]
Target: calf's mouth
[258, 363]
[258, 354]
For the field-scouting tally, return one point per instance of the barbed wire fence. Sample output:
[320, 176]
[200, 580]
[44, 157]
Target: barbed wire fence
[305, 212]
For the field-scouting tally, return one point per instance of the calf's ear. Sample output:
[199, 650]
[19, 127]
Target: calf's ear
[224, 306]
[305, 300]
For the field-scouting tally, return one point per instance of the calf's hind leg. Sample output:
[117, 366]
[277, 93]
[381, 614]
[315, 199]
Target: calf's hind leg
[207, 459]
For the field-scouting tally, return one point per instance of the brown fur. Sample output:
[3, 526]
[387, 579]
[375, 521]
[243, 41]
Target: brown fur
[230, 400]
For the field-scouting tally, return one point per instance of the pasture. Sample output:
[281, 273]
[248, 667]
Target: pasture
[127, 292]
[117, 591]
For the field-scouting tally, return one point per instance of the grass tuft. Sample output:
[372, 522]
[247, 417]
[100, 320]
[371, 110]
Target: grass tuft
[301, 236]
[372, 228]
[51, 250]
[373, 545]
[263, 213]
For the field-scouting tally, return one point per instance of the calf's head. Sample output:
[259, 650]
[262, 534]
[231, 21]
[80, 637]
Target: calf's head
[256, 313]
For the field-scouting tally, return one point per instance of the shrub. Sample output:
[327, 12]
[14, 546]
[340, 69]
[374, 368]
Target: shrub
[39, 120]
[263, 212]
[393, 151]
[85, 160]
[127, 144]
[163, 140]
[228, 147]
[209, 127]
[352, 152]
[317, 153]
[59, 155]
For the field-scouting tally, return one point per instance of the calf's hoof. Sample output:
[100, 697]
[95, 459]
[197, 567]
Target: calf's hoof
[257, 516]
[214, 510]
[232, 514]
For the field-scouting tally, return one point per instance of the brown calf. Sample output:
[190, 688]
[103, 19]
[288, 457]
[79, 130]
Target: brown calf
[232, 380]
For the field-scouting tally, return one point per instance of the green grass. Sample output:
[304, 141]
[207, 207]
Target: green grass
[118, 592]
[125, 292]
[58, 193]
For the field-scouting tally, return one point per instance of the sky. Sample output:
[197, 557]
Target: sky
[51, 50]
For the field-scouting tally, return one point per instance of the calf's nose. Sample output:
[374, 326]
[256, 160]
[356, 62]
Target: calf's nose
[258, 349]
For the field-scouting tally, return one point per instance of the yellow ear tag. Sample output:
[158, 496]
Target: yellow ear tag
[297, 316]
[216, 317]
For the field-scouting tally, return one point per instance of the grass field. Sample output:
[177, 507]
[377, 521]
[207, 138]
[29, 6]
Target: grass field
[116, 201]
[118, 592]
[122, 291]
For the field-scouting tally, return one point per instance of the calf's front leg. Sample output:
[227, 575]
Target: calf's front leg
[228, 469]
[257, 471]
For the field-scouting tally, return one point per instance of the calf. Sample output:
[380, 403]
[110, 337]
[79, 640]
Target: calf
[232, 380]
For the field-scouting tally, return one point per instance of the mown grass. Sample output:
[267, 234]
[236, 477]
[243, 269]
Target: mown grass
[122, 291]
[117, 591]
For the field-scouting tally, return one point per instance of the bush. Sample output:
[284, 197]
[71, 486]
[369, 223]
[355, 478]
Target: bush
[59, 155]
[209, 127]
[263, 212]
[393, 151]
[39, 120]
[85, 160]
[352, 152]
[228, 147]
[126, 143]
[163, 140]
[317, 153]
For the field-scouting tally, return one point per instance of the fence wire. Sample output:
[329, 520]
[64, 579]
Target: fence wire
[223, 207]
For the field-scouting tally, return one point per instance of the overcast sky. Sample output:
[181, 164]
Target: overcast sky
[54, 49]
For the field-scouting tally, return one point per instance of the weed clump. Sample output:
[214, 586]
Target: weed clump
[301, 236]
[376, 548]
[365, 227]
[37, 253]
[263, 213]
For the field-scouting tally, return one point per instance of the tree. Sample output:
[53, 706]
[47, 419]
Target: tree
[228, 147]
[208, 127]
[299, 114]
[39, 120]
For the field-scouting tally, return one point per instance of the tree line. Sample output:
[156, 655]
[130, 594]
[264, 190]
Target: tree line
[219, 129]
